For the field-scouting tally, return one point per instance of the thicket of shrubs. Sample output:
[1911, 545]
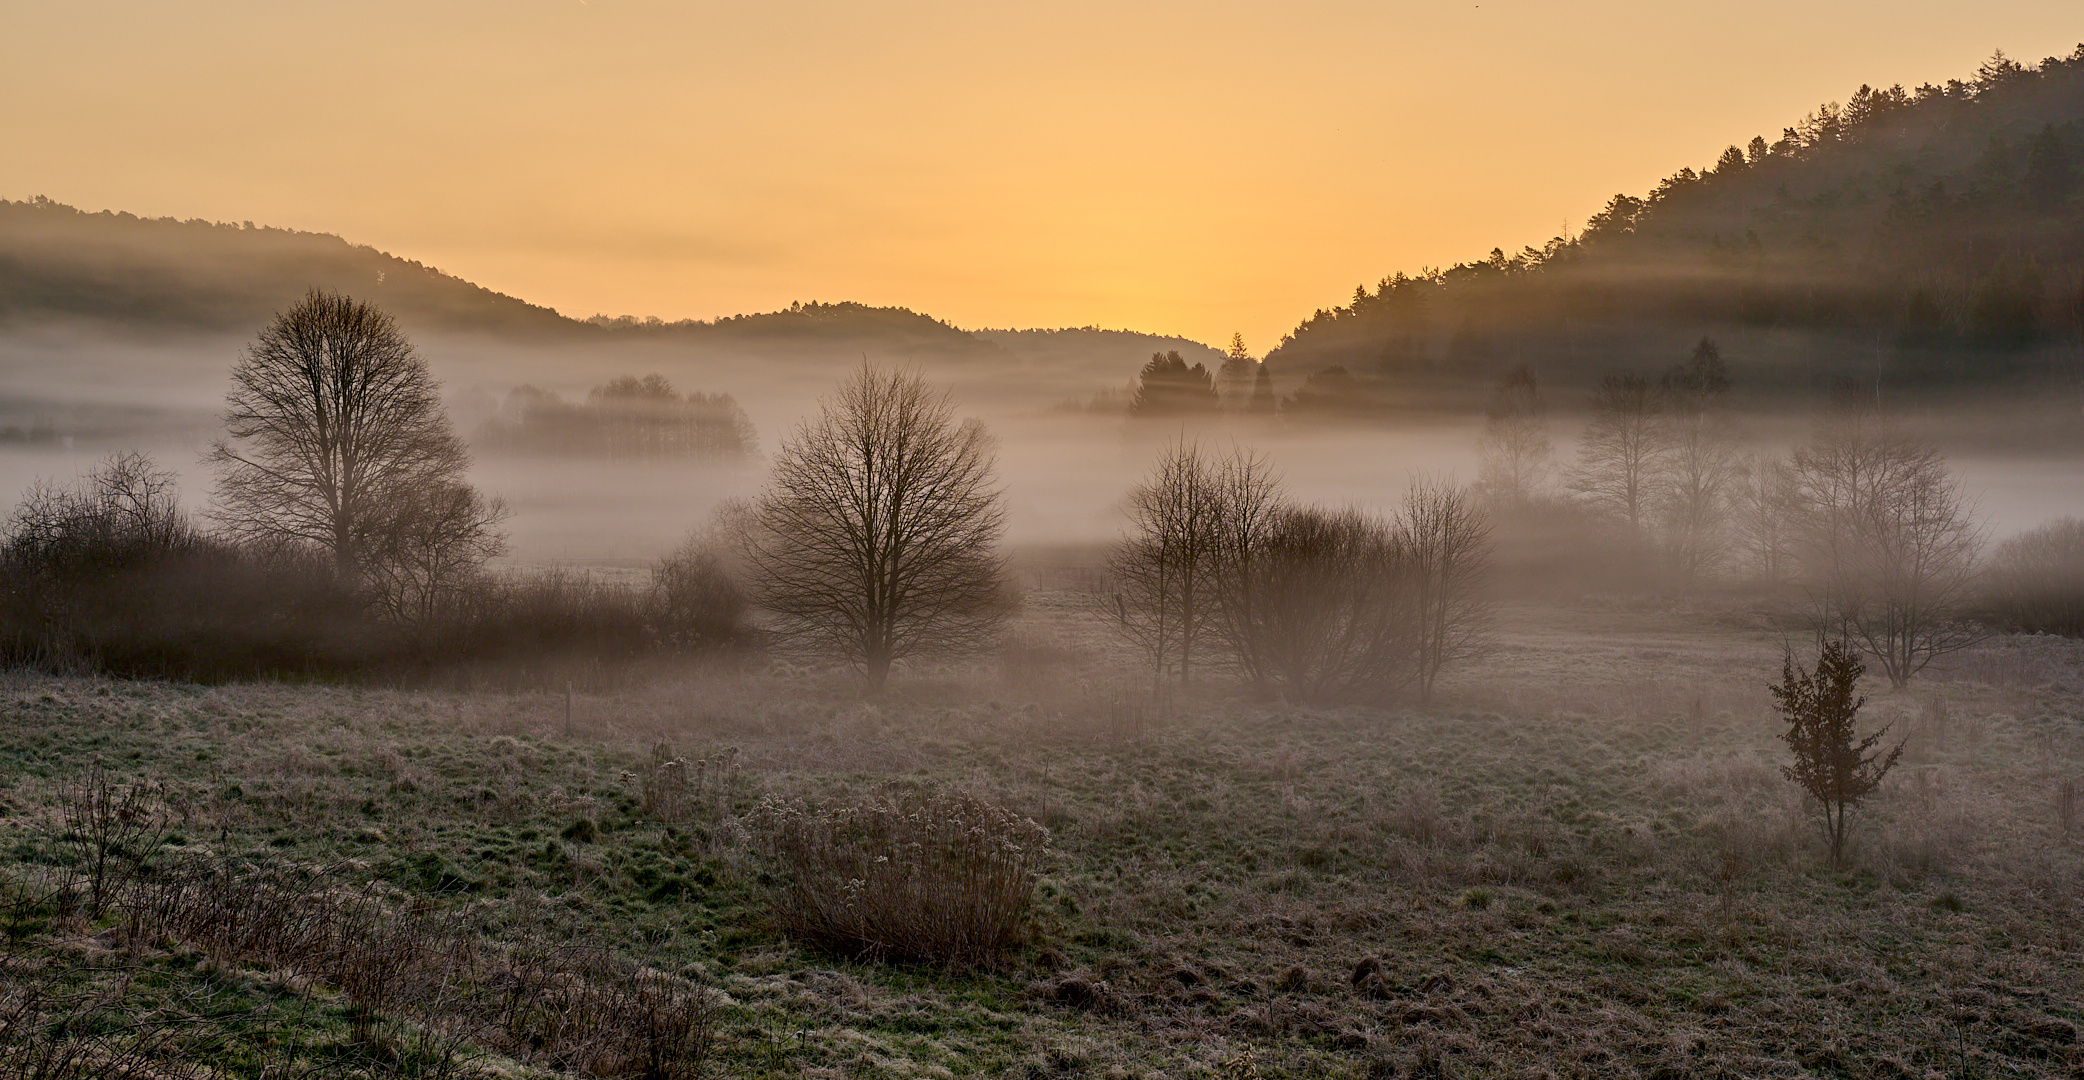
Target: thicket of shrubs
[112, 576]
[2035, 581]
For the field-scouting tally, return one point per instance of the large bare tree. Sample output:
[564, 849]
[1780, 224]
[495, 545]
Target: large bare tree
[337, 437]
[878, 536]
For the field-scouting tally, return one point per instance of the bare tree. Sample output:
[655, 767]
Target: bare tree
[1617, 456]
[428, 546]
[1698, 463]
[1166, 571]
[1763, 512]
[336, 433]
[878, 536]
[1446, 541]
[1888, 544]
[1515, 449]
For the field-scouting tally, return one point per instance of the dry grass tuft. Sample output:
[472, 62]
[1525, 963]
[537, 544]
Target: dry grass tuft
[905, 875]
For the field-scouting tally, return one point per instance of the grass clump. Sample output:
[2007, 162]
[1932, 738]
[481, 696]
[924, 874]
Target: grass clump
[905, 875]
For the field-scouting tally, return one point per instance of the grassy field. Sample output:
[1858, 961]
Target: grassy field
[1580, 861]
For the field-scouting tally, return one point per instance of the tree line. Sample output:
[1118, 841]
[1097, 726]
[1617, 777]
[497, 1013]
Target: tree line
[344, 540]
[1862, 532]
[625, 418]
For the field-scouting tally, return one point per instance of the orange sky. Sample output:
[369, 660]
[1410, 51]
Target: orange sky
[1182, 168]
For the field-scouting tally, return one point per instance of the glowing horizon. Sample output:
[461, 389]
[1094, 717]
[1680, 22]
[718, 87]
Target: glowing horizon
[1172, 168]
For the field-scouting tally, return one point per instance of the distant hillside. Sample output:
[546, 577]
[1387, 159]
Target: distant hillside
[820, 333]
[1111, 355]
[120, 270]
[117, 268]
[1930, 239]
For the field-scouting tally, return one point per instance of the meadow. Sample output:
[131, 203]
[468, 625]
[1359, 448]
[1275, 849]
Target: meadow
[1581, 860]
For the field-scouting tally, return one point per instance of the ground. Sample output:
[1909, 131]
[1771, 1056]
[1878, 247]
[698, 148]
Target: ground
[1581, 860]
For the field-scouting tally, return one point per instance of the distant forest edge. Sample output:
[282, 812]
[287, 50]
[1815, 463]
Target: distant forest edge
[1909, 239]
[1916, 241]
[626, 418]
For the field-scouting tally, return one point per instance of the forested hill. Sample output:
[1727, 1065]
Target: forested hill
[1931, 238]
[154, 274]
[57, 262]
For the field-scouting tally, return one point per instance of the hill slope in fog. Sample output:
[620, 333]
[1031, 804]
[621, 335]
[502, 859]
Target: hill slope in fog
[1929, 238]
[121, 272]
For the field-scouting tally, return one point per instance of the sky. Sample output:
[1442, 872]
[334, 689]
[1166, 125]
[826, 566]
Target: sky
[1200, 169]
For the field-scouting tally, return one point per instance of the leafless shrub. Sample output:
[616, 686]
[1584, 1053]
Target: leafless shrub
[2035, 581]
[905, 875]
[50, 1033]
[696, 602]
[1323, 608]
[113, 828]
[2066, 808]
[579, 1008]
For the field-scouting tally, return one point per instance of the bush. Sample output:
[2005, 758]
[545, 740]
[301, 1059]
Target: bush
[1325, 609]
[2036, 580]
[905, 875]
[695, 603]
[112, 576]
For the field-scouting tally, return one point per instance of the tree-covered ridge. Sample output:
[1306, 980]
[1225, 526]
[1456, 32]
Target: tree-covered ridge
[1940, 227]
[57, 261]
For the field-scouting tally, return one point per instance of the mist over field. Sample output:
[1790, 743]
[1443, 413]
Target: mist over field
[1657, 651]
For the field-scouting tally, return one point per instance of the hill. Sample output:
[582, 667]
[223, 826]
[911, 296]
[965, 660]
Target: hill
[58, 262]
[1926, 240]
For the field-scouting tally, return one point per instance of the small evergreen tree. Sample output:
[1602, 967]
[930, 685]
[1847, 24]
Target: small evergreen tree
[1832, 762]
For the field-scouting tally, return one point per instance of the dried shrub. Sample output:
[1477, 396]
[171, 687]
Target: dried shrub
[113, 829]
[904, 875]
[50, 1032]
[677, 789]
[396, 961]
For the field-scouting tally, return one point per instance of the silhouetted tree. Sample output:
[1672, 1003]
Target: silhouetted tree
[1698, 462]
[2051, 177]
[1617, 455]
[1515, 448]
[1263, 402]
[1235, 378]
[1833, 763]
[1168, 386]
[1166, 571]
[337, 440]
[1888, 544]
[878, 536]
[1763, 512]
